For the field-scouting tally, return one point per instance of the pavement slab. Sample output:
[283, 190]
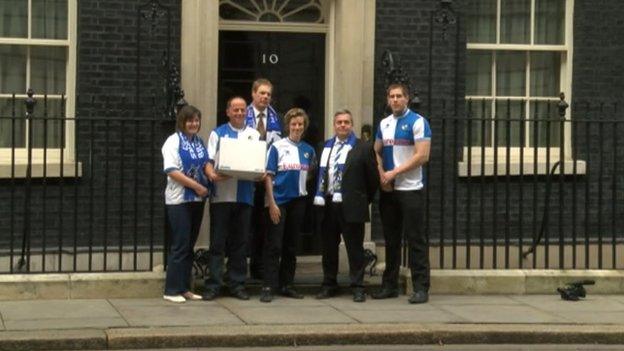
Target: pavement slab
[155, 302]
[56, 309]
[147, 323]
[59, 314]
[64, 323]
[502, 314]
[472, 300]
[407, 315]
[279, 302]
[395, 304]
[293, 315]
[553, 303]
[154, 313]
[583, 317]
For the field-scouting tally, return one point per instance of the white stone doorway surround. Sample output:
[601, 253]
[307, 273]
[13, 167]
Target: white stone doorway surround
[350, 56]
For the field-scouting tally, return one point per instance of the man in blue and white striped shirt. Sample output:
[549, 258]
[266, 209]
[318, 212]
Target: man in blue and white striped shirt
[402, 145]
[230, 209]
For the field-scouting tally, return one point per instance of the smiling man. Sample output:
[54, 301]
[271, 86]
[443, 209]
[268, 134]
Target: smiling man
[402, 147]
[230, 209]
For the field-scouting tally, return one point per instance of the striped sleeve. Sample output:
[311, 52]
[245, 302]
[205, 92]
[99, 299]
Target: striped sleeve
[421, 129]
[213, 142]
[272, 158]
[171, 156]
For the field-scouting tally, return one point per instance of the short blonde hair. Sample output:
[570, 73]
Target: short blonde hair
[260, 82]
[292, 113]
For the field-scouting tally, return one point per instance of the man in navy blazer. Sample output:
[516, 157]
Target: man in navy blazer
[346, 184]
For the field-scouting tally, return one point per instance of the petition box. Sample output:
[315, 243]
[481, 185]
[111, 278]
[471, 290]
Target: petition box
[243, 159]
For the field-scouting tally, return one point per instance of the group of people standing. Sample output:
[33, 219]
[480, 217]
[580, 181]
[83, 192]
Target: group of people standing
[264, 218]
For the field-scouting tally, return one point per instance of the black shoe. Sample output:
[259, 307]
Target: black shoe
[240, 293]
[420, 296]
[327, 292]
[385, 293]
[209, 295]
[266, 295]
[288, 291]
[359, 295]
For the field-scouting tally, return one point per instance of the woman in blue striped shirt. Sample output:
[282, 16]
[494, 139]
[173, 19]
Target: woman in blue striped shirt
[289, 161]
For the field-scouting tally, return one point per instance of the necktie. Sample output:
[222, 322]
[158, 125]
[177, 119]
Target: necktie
[260, 127]
[337, 179]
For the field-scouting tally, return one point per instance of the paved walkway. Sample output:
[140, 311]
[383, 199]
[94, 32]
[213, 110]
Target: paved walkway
[113, 313]
[137, 320]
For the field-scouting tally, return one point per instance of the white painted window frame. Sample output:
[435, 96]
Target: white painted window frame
[566, 51]
[53, 155]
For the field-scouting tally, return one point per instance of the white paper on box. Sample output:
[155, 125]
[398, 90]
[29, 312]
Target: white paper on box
[242, 159]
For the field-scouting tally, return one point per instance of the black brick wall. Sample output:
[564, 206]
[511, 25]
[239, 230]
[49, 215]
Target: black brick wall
[455, 206]
[107, 79]
[112, 63]
[114, 201]
[598, 51]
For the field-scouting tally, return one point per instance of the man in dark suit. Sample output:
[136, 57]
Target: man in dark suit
[262, 117]
[347, 182]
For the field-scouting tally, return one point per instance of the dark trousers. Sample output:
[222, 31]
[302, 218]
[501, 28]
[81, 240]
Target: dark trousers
[402, 212]
[333, 224]
[184, 222]
[258, 231]
[280, 259]
[229, 226]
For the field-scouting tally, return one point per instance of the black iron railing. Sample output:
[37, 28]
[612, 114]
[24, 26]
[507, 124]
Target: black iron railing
[516, 190]
[505, 189]
[82, 193]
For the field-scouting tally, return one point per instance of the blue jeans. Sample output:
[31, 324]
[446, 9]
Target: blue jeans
[184, 221]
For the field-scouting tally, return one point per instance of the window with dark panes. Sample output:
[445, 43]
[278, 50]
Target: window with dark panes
[518, 61]
[34, 53]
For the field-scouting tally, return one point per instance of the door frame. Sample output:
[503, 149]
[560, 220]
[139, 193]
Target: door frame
[351, 22]
[349, 62]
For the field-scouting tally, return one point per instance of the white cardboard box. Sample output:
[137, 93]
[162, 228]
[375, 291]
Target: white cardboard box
[242, 159]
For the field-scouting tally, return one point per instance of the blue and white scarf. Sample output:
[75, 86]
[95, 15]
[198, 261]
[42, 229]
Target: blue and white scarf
[273, 124]
[194, 156]
[321, 184]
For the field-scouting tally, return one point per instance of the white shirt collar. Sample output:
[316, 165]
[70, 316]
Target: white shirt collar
[338, 141]
[402, 114]
[257, 112]
[237, 129]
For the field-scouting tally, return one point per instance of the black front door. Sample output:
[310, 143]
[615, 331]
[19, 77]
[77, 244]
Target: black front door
[295, 64]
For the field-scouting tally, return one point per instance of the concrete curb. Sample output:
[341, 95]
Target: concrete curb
[81, 285]
[83, 339]
[290, 335]
[408, 334]
[150, 284]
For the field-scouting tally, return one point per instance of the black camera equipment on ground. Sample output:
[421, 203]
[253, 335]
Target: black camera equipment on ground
[574, 290]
